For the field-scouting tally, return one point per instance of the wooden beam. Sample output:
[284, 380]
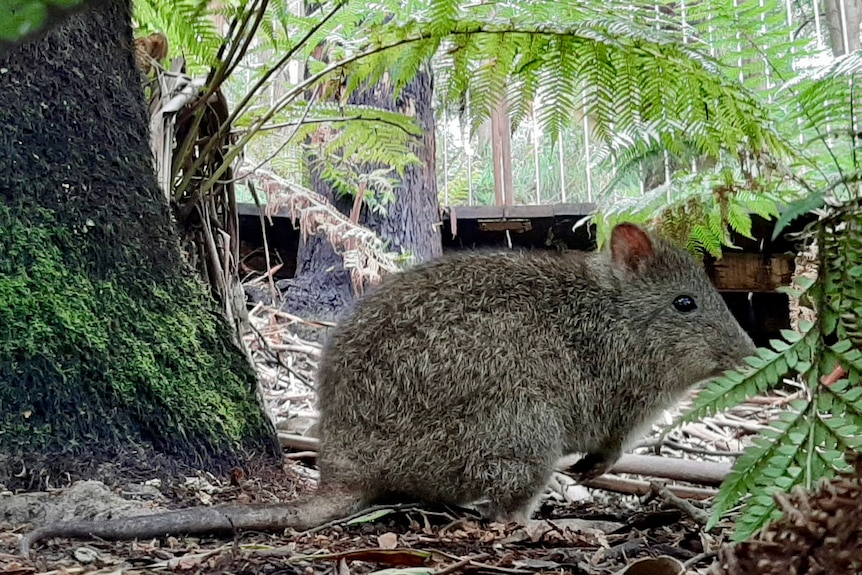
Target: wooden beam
[496, 153]
[747, 272]
[518, 226]
[506, 154]
[519, 211]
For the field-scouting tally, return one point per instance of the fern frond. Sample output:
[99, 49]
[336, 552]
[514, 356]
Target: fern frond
[189, 26]
[809, 440]
[769, 367]
[768, 465]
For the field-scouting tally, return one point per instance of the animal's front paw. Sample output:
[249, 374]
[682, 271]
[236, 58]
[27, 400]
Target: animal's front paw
[590, 466]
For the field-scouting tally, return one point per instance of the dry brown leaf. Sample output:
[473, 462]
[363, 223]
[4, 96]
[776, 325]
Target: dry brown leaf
[663, 565]
[387, 540]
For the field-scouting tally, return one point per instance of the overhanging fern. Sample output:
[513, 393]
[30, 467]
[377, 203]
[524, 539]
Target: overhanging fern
[188, 26]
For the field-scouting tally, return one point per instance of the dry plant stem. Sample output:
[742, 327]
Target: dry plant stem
[265, 343]
[297, 348]
[301, 442]
[300, 455]
[362, 513]
[459, 565]
[272, 287]
[635, 487]
[698, 558]
[226, 519]
[700, 516]
[773, 401]
[697, 451]
[357, 203]
[689, 470]
[728, 420]
[703, 433]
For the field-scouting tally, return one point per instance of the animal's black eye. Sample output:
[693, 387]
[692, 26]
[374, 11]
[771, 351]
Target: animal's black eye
[684, 304]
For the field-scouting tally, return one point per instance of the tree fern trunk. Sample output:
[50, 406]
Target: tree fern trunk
[321, 288]
[110, 350]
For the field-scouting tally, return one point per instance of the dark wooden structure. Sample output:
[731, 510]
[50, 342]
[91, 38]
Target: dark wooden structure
[748, 278]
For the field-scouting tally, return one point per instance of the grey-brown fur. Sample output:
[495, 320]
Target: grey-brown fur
[468, 377]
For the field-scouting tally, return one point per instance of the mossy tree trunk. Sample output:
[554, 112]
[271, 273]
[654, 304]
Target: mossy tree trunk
[322, 289]
[110, 347]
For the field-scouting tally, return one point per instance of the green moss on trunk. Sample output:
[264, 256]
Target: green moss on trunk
[107, 341]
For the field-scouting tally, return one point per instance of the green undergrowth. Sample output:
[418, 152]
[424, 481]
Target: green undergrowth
[809, 440]
[98, 365]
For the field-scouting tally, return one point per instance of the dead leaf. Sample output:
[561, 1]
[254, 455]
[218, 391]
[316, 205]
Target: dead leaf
[400, 557]
[388, 540]
[663, 565]
[86, 555]
[536, 564]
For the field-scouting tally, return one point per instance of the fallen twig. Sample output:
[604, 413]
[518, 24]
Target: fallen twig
[636, 487]
[662, 492]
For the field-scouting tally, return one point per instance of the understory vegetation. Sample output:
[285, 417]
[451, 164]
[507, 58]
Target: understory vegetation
[723, 106]
[711, 101]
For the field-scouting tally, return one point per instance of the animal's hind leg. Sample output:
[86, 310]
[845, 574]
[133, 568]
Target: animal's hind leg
[515, 488]
[513, 467]
[517, 508]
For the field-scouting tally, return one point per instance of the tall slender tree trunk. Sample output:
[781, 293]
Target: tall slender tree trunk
[322, 288]
[852, 18]
[110, 347]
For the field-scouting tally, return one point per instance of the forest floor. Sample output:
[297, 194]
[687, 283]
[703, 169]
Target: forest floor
[612, 534]
[581, 531]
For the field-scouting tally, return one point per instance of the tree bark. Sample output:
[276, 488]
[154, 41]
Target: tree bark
[110, 347]
[54, 17]
[321, 289]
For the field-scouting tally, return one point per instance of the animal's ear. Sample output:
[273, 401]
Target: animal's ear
[631, 247]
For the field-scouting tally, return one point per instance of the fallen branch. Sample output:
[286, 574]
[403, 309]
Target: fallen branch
[700, 516]
[299, 442]
[636, 487]
[677, 469]
[673, 468]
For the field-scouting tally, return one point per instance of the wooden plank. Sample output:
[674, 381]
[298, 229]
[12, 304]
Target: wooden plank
[477, 212]
[247, 209]
[497, 155]
[506, 154]
[518, 226]
[747, 272]
[519, 211]
[571, 209]
[526, 211]
[530, 211]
